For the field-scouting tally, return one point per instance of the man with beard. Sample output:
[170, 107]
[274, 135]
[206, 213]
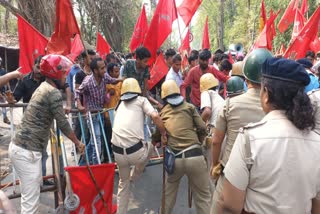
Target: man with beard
[193, 77]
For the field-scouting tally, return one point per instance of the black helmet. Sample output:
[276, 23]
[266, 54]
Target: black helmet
[235, 86]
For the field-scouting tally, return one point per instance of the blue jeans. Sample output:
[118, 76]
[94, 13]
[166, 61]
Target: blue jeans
[90, 147]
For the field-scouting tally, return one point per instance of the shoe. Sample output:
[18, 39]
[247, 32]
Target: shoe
[48, 183]
[6, 120]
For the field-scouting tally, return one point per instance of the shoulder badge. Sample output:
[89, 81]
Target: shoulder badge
[252, 125]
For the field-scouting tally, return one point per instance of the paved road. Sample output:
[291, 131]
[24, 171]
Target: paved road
[146, 192]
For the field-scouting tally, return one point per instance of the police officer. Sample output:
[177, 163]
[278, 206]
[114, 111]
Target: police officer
[129, 147]
[237, 71]
[185, 130]
[315, 99]
[211, 101]
[236, 113]
[235, 86]
[274, 164]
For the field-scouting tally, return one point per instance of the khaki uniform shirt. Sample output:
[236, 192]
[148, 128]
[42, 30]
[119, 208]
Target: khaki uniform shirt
[183, 124]
[315, 100]
[285, 174]
[238, 112]
[214, 101]
[128, 122]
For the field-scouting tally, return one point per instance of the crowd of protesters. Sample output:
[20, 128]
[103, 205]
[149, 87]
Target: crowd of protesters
[244, 129]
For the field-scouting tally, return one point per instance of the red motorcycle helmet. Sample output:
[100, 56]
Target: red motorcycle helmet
[54, 66]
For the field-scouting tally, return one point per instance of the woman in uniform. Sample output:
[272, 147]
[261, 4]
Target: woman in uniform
[274, 165]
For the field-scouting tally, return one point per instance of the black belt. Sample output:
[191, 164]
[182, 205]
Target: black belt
[190, 153]
[129, 150]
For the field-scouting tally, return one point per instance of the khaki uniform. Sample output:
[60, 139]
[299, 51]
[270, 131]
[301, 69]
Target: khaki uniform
[280, 173]
[237, 112]
[315, 100]
[127, 134]
[184, 125]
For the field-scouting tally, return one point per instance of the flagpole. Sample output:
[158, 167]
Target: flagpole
[175, 7]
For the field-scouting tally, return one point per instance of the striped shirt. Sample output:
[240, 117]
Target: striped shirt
[93, 94]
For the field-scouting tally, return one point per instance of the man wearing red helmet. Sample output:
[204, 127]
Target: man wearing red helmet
[33, 133]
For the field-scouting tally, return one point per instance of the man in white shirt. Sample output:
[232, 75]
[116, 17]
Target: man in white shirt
[174, 72]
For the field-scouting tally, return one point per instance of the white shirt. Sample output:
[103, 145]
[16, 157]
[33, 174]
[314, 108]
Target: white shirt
[285, 175]
[214, 101]
[172, 75]
[128, 122]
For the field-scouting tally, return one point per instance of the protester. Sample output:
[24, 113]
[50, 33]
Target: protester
[315, 100]
[269, 158]
[129, 148]
[193, 77]
[186, 130]
[93, 92]
[25, 149]
[314, 81]
[113, 93]
[236, 113]
[174, 72]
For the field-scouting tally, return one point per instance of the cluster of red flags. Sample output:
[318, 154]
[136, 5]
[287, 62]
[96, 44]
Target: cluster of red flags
[65, 40]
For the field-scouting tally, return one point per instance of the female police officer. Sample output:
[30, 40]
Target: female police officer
[273, 167]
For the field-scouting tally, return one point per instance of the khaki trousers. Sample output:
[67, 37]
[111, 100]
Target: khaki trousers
[196, 170]
[216, 194]
[28, 168]
[139, 160]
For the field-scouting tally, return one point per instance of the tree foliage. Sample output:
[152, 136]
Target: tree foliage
[241, 21]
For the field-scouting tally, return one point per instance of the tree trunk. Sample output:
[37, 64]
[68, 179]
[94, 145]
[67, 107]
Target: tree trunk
[6, 19]
[221, 26]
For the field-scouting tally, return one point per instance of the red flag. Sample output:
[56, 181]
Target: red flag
[185, 46]
[304, 7]
[299, 21]
[263, 16]
[84, 187]
[187, 9]
[265, 38]
[205, 38]
[315, 45]
[160, 26]
[66, 28]
[230, 59]
[76, 48]
[309, 32]
[288, 16]
[158, 71]
[140, 30]
[272, 27]
[103, 48]
[32, 44]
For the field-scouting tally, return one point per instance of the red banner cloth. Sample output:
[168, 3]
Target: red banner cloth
[83, 185]
[103, 47]
[187, 9]
[301, 44]
[76, 48]
[205, 38]
[160, 27]
[288, 16]
[158, 71]
[140, 30]
[32, 44]
[66, 28]
[263, 16]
